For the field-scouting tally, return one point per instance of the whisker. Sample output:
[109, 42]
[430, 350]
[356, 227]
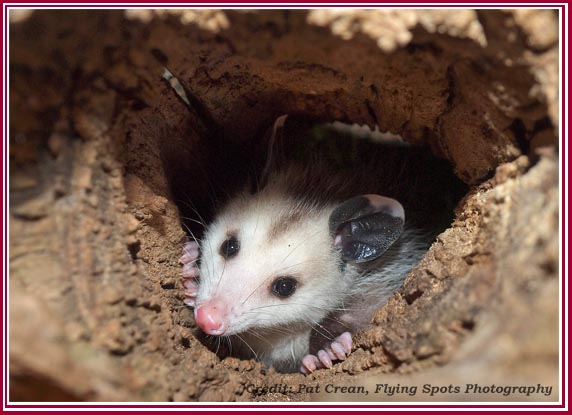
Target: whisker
[258, 336]
[199, 244]
[338, 321]
[221, 274]
[277, 329]
[302, 304]
[204, 225]
[217, 345]
[247, 345]
[253, 291]
[229, 344]
[193, 208]
[329, 336]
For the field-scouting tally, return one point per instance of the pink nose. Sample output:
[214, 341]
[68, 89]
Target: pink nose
[210, 317]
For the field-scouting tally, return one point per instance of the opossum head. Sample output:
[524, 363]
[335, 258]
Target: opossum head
[272, 260]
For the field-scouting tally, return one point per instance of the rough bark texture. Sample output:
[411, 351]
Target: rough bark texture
[104, 155]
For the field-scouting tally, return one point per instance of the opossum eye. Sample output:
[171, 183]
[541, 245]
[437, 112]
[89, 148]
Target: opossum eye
[284, 286]
[230, 247]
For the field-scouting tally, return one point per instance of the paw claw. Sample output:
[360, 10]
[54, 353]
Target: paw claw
[325, 359]
[191, 245]
[309, 364]
[190, 252]
[190, 271]
[345, 339]
[191, 288]
[339, 349]
[330, 353]
[186, 258]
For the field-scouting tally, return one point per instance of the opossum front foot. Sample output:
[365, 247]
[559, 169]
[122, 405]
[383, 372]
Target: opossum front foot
[339, 349]
[190, 271]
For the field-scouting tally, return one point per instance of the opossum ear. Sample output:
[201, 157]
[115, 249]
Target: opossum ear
[365, 226]
[275, 148]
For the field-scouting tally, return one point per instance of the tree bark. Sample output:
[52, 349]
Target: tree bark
[106, 157]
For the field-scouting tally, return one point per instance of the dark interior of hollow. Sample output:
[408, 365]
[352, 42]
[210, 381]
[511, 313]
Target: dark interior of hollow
[230, 167]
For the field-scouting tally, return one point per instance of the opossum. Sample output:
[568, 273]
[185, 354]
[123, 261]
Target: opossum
[294, 267]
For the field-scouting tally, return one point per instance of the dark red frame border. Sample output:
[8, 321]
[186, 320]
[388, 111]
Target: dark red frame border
[261, 406]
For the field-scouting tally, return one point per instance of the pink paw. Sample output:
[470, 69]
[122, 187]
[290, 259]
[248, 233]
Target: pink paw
[190, 271]
[339, 349]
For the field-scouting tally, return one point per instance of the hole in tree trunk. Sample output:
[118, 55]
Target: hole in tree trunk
[327, 163]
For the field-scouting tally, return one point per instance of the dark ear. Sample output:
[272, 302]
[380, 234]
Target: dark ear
[365, 226]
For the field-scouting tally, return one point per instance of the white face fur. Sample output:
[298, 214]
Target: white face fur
[272, 245]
